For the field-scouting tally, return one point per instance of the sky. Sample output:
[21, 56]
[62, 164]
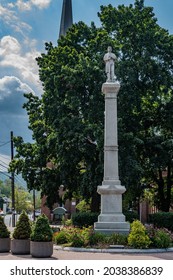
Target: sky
[25, 26]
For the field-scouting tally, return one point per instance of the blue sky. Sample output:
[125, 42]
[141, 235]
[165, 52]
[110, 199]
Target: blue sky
[24, 28]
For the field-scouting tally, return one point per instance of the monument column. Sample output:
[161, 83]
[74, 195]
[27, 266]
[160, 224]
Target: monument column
[111, 218]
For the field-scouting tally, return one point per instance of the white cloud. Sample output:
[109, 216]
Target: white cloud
[9, 45]
[12, 115]
[11, 56]
[8, 16]
[11, 95]
[41, 3]
[23, 6]
[27, 5]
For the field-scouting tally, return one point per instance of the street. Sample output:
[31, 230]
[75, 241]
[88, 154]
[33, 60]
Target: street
[70, 255]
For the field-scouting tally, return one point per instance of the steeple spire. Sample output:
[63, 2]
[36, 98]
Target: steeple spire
[66, 17]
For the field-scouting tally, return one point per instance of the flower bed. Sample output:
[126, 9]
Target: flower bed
[140, 236]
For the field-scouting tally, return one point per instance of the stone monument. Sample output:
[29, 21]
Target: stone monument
[111, 218]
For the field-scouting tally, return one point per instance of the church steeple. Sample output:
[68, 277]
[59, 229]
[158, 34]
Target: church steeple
[66, 17]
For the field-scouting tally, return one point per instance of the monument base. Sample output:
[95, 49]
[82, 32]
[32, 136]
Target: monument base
[112, 223]
[112, 227]
[111, 219]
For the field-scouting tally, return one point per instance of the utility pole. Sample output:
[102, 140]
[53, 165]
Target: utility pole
[34, 204]
[12, 183]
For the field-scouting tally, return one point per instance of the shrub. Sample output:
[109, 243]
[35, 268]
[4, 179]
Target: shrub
[4, 232]
[83, 206]
[68, 222]
[118, 239]
[77, 240]
[161, 239]
[162, 220]
[138, 237]
[23, 227]
[84, 219]
[61, 237]
[41, 230]
[97, 238]
[151, 232]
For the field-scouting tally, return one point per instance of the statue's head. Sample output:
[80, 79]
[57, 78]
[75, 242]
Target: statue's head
[109, 49]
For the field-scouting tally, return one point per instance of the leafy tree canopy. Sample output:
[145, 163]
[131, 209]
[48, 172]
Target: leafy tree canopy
[68, 120]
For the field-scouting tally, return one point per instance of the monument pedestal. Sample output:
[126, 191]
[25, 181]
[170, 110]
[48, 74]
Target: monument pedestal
[111, 218]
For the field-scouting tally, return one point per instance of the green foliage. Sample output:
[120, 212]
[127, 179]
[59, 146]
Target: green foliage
[41, 230]
[138, 237]
[70, 113]
[23, 227]
[84, 219]
[97, 238]
[161, 239]
[162, 220]
[83, 206]
[68, 222]
[4, 232]
[118, 239]
[131, 216]
[22, 200]
[61, 237]
[77, 239]
[5, 188]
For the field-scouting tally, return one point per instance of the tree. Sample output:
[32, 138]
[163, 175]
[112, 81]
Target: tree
[145, 100]
[22, 201]
[67, 121]
[5, 188]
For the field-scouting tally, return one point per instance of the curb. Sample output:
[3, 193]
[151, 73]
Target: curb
[118, 251]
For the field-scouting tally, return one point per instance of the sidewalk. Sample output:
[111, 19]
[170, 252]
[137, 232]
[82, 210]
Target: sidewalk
[98, 254]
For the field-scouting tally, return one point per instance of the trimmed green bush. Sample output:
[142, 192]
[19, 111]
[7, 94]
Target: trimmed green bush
[23, 227]
[41, 230]
[138, 237]
[162, 220]
[4, 232]
[84, 219]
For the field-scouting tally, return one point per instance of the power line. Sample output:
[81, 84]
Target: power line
[4, 162]
[2, 173]
[4, 144]
[3, 166]
[19, 180]
[4, 156]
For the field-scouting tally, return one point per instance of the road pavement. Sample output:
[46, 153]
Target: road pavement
[59, 254]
